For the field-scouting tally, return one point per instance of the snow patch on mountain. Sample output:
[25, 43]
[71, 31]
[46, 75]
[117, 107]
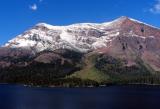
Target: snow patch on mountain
[81, 37]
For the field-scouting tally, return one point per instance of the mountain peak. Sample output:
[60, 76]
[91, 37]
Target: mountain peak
[82, 36]
[124, 44]
[41, 24]
[128, 19]
[123, 17]
[44, 25]
[48, 26]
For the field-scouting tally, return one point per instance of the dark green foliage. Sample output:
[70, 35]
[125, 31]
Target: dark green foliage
[39, 72]
[74, 82]
[16, 60]
[123, 74]
[55, 72]
[70, 54]
[107, 63]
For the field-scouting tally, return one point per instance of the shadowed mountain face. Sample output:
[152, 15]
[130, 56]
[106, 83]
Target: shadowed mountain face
[121, 50]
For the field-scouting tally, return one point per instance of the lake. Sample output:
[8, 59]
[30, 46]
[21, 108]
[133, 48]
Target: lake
[112, 97]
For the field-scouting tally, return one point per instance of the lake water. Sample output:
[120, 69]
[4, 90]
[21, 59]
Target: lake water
[112, 97]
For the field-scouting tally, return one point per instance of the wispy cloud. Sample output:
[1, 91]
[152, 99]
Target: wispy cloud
[33, 7]
[156, 8]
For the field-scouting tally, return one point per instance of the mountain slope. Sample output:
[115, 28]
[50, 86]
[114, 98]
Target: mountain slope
[89, 71]
[121, 51]
[82, 37]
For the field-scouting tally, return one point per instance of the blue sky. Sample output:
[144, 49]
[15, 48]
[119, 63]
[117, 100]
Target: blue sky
[16, 16]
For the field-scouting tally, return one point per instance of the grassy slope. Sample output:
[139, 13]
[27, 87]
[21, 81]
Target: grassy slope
[89, 71]
[116, 75]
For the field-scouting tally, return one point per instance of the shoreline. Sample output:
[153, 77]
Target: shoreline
[91, 86]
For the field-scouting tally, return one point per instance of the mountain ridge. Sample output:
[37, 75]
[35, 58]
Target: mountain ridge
[121, 51]
[66, 35]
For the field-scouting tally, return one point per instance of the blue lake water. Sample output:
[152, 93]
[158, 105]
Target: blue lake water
[112, 97]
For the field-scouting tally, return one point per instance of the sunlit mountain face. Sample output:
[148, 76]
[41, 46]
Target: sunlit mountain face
[121, 51]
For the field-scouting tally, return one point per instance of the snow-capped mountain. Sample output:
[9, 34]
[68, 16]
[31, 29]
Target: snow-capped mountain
[125, 50]
[81, 37]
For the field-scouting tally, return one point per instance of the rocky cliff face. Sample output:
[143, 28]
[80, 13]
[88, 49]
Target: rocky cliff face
[81, 37]
[136, 41]
[134, 44]
[124, 38]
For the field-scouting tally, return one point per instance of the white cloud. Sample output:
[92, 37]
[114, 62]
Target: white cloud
[156, 8]
[33, 7]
